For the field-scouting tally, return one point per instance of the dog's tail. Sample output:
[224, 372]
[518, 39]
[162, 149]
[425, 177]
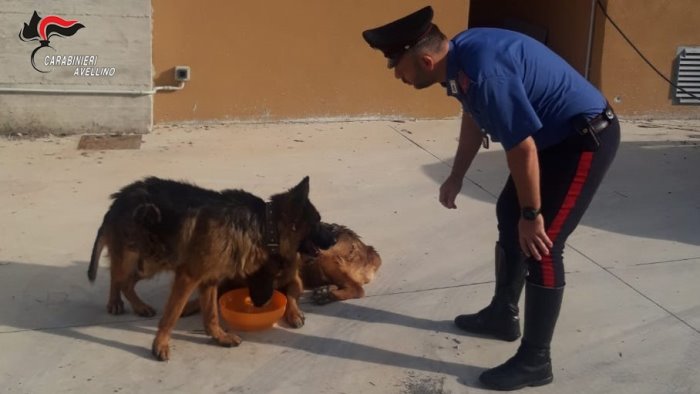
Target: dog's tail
[96, 253]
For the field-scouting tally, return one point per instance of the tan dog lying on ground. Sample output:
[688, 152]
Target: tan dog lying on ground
[339, 272]
[203, 236]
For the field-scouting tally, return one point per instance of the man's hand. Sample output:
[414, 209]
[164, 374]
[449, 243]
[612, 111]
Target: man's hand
[533, 238]
[523, 163]
[449, 191]
[470, 138]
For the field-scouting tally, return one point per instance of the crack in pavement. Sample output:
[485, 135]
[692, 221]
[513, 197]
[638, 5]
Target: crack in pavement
[473, 182]
[635, 289]
[567, 244]
[667, 261]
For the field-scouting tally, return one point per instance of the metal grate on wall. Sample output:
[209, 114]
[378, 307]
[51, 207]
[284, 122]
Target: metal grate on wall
[688, 75]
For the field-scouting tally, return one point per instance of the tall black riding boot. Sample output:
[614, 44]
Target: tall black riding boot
[500, 318]
[531, 365]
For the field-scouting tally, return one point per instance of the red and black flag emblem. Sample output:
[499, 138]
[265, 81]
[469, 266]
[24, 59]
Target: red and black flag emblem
[42, 29]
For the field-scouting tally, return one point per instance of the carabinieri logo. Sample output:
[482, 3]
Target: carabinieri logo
[42, 29]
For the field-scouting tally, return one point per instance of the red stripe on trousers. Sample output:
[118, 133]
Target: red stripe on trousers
[584, 167]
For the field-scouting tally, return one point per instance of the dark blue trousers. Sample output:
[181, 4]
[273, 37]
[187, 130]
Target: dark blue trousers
[570, 173]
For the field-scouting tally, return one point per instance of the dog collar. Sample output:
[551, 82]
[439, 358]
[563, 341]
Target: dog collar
[271, 235]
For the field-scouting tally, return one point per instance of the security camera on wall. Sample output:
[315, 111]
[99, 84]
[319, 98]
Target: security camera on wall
[182, 73]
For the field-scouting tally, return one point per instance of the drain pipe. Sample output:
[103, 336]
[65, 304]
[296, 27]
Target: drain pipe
[589, 48]
[95, 92]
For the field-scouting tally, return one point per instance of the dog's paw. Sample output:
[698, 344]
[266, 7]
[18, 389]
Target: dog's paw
[228, 339]
[323, 295]
[144, 310]
[295, 318]
[161, 350]
[115, 307]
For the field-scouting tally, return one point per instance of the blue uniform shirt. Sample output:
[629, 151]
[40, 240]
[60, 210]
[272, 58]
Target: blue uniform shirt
[515, 87]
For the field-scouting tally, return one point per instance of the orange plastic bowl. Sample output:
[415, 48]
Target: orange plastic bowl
[240, 314]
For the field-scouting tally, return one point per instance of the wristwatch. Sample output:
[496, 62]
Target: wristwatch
[530, 213]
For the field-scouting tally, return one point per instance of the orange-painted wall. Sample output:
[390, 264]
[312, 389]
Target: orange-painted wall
[281, 60]
[292, 60]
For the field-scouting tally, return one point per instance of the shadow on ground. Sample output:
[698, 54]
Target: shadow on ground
[60, 301]
[651, 190]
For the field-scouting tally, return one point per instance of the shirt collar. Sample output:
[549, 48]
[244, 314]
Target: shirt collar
[451, 83]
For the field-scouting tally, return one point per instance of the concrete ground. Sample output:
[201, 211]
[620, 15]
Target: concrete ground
[630, 322]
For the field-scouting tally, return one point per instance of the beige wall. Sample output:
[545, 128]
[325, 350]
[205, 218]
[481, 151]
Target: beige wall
[280, 60]
[657, 28]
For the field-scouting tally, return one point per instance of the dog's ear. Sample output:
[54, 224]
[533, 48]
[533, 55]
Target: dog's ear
[296, 207]
[294, 201]
[300, 192]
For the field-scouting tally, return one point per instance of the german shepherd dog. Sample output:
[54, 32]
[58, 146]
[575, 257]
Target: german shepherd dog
[333, 262]
[157, 225]
[338, 272]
